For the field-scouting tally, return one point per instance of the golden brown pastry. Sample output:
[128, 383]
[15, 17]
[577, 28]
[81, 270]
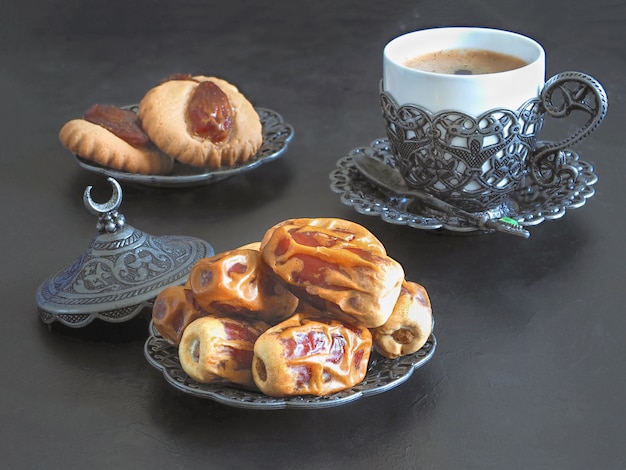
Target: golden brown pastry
[409, 326]
[173, 310]
[336, 265]
[219, 349]
[113, 137]
[237, 282]
[201, 121]
[307, 355]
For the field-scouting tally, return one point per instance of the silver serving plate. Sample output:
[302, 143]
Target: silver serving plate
[534, 203]
[276, 136]
[121, 272]
[383, 374]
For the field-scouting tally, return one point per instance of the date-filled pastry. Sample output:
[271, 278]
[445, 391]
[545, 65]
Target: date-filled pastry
[307, 355]
[238, 282]
[113, 137]
[409, 325]
[336, 265]
[173, 310]
[201, 121]
[220, 349]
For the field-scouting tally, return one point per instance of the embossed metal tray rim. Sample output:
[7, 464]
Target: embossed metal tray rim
[383, 374]
[536, 205]
[276, 137]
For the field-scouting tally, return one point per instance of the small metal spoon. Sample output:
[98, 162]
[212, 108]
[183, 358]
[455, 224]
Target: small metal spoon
[390, 179]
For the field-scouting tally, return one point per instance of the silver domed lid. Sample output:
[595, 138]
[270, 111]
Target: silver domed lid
[121, 272]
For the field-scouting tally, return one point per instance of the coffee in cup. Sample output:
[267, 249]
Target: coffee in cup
[472, 140]
[465, 62]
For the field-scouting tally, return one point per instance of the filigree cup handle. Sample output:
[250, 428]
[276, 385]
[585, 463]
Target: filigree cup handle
[562, 95]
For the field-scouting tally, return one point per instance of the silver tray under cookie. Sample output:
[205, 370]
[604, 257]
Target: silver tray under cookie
[535, 204]
[382, 375]
[276, 136]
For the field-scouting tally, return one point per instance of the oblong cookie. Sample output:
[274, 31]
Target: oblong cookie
[163, 114]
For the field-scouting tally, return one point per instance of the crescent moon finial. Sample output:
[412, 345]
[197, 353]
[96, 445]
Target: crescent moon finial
[111, 205]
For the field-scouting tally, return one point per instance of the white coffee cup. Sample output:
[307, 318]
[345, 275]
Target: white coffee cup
[471, 94]
[473, 140]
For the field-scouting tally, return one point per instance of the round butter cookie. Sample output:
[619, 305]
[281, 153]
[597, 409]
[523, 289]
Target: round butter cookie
[113, 137]
[201, 121]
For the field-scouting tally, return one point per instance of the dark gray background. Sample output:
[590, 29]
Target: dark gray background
[529, 369]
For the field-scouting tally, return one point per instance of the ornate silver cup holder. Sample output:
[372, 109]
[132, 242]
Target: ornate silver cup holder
[533, 202]
[121, 272]
[475, 163]
[492, 167]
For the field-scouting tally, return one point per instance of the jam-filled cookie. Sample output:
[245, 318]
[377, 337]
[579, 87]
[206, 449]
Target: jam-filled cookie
[113, 137]
[201, 121]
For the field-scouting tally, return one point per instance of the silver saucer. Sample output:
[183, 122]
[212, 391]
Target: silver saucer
[276, 136]
[382, 375]
[535, 204]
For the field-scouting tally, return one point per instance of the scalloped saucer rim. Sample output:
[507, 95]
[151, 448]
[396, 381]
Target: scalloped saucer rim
[357, 192]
